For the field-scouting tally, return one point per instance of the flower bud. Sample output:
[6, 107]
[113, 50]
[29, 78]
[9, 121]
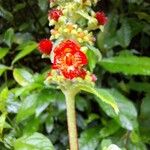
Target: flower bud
[45, 46]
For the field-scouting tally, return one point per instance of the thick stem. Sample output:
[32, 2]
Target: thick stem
[71, 119]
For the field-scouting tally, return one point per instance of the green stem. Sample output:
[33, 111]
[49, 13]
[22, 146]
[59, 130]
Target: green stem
[71, 119]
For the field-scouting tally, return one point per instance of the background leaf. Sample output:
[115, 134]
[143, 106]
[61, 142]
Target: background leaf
[27, 108]
[127, 117]
[8, 37]
[26, 49]
[89, 139]
[3, 52]
[131, 65]
[102, 94]
[5, 14]
[3, 68]
[22, 76]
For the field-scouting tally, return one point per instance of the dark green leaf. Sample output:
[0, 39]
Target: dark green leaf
[3, 68]
[19, 7]
[8, 37]
[89, 139]
[139, 86]
[22, 39]
[143, 15]
[26, 50]
[3, 52]
[5, 14]
[28, 107]
[127, 117]
[43, 4]
[110, 128]
[44, 98]
[49, 125]
[31, 126]
[145, 111]
[107, 39]
[124, 34]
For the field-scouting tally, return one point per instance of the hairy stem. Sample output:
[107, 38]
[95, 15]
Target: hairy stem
[71, 119]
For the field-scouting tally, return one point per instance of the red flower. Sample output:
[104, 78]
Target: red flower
[54, 14]
[69, 59]
[101, 18]
[45, 46]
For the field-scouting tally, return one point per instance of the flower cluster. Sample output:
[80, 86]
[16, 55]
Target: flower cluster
[71, 38]
[75, 32]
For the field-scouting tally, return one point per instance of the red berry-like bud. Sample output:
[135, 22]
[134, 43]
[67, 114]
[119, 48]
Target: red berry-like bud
[45, 46]
[101, 18]
[54, 14]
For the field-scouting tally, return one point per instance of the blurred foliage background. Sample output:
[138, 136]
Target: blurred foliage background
[32, 114]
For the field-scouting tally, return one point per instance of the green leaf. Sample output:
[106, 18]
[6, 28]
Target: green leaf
[110, 128]
[104, 144]
[2, 122]
[112, 146]
[49, 124]
[31, 126]
[145, 111]
[94, 56]
[92, 60]
[27, 89]
[139, 86]
[3, 68]
[3, 52]
[107, 39]
[22, 76]
[8, 37]
[22, 39]
[131, 65]
[136, 26]
[26, 49]
[112, 37]
[5, 14]
[43, 4]
[144, 119]
[27, 108]
[143, 15]
[35, 141]
[136, 146]
[89, 139]
[127, 117]
[19, 7]
[35, 104]
[3, 98]
[44, 98]
[102, 94]
[124, 34]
